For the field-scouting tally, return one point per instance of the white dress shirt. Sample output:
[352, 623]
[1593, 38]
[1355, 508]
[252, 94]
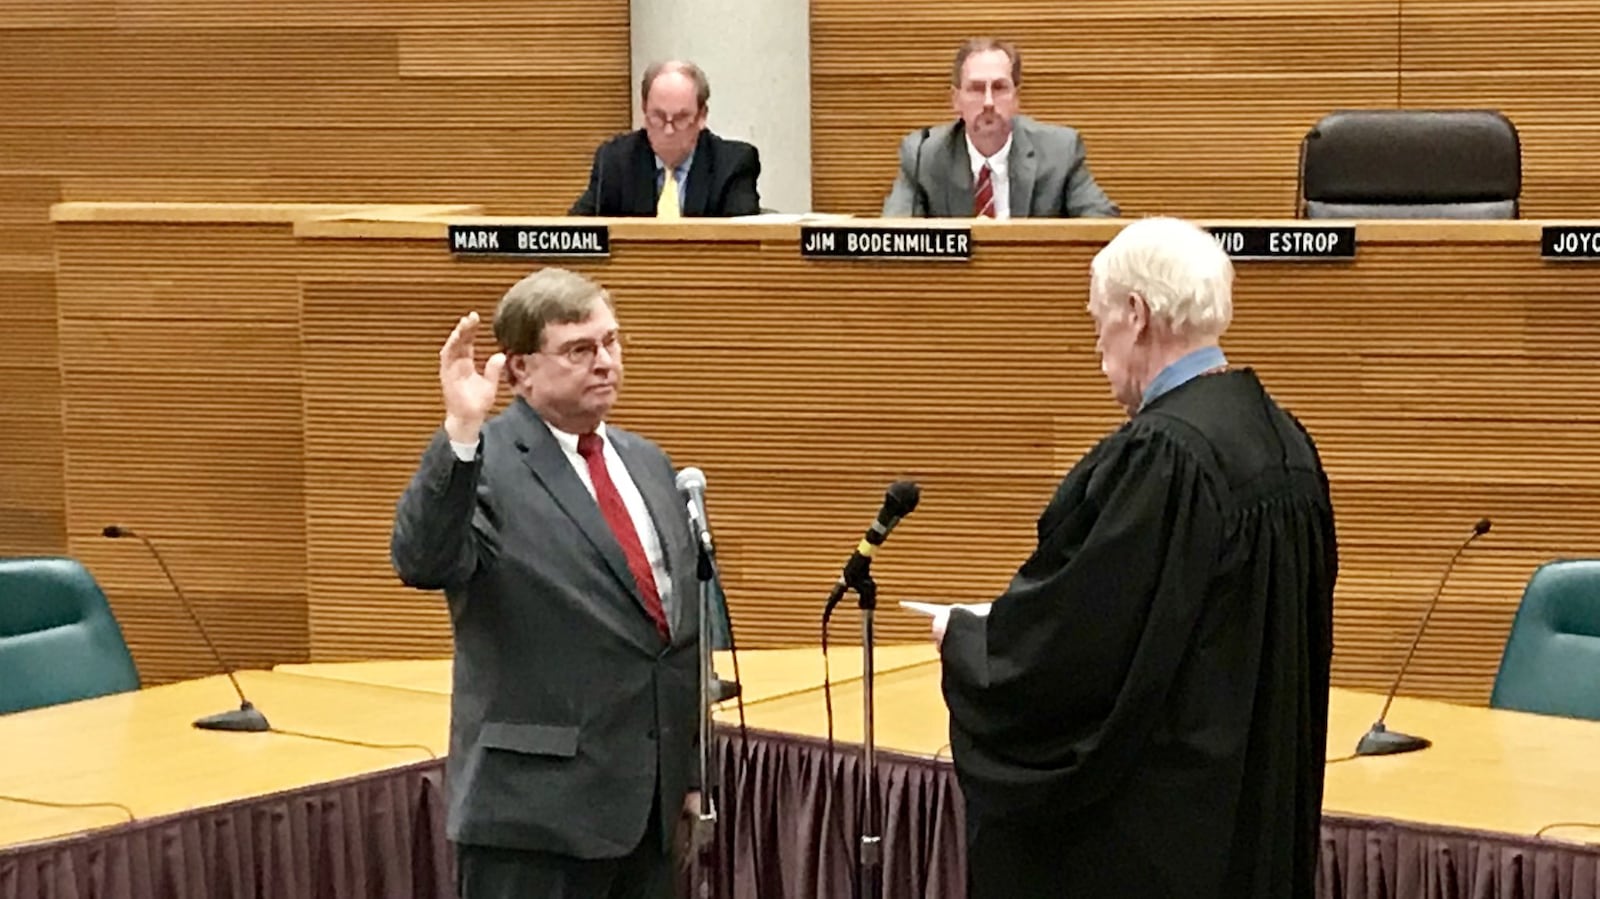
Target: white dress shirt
[1001, 179]
[625, 486]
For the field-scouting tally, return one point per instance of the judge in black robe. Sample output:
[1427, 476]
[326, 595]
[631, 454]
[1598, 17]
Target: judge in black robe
[1143, 711]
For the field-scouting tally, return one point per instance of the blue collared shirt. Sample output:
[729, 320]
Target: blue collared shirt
[1181, 372]
[679, 174]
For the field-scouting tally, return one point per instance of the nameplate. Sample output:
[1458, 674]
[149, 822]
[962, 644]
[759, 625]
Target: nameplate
[1287, 243]
[1569, 242]
[825, 242]
[530, 240]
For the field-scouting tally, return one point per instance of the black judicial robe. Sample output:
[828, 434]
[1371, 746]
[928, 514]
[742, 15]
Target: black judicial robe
[1143, 712]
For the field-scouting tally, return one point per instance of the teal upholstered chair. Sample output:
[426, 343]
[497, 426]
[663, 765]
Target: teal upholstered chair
[58, 639]
[1551, 663]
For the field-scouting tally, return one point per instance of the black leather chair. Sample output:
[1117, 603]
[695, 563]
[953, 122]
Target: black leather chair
[1411, 164]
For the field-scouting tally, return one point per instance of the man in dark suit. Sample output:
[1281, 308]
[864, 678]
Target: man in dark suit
[711, 176]
[565, 553]
[992, 162]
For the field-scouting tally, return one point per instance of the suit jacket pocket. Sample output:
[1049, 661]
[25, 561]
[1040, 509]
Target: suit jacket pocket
[531, 739]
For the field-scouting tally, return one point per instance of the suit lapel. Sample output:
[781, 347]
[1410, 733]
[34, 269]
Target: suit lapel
[642, 200]
[548, 462]
[697, 187]
[1024, 165]
[958, 166]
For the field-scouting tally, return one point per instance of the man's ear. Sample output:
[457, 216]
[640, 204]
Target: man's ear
[516, 368]
[1138, 313]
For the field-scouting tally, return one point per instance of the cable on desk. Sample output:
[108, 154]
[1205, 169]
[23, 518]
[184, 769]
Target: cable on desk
[1589, 824]
[361, 743]
[48, 804]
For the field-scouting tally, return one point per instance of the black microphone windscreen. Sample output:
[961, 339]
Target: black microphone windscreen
[111, 531]
[902, 498]
[1482, 527]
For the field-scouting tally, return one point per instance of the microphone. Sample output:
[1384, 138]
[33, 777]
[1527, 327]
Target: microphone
[898, 502]
[692, 484]
[1379, 740]
[918, 192]
[244, 718]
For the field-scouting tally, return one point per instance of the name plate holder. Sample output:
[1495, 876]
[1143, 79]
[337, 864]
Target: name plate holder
[846, 242]
[1570, 243]
[593, 241]
[1287, 243]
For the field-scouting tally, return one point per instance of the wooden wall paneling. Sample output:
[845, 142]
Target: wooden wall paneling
[803, 389]
[181, 379]
[1193, 109]
[180, 335]
[1534, 61]
[32, 503]
[349, 102]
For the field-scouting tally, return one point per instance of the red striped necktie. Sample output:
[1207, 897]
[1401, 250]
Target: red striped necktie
[983, 198]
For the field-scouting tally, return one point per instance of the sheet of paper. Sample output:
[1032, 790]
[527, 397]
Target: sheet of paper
[933, 609]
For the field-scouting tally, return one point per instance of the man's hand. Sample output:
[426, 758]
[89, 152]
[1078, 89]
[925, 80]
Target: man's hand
[694, 836]
[468, 395]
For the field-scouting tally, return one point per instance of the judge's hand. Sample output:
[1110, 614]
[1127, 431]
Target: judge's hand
[468, 395]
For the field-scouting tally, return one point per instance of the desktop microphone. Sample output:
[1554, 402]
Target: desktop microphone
[246, 717]
[1379, 740]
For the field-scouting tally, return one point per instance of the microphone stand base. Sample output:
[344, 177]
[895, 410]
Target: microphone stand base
[244, 718]
[1380, 741]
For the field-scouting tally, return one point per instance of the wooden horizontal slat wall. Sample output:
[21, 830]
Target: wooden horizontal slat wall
[1538, 61]
[32, 513]
[182, 410]
[1198, 108]
[181, 377]
[804, 389]
[1186, 108]
[491, 102]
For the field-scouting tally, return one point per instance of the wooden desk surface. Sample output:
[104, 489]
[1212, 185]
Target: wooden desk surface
[766, 674]
[1487, 770]
[139, 749]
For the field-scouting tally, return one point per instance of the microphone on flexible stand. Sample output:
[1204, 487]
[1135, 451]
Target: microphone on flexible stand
[1380, 740]
[899, 501]
[246, 717]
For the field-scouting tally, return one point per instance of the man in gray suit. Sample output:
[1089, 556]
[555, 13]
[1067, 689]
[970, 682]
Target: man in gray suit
[565, 553]
[993, 162]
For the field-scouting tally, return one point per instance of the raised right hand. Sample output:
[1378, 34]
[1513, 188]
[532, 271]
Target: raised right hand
[468, 395]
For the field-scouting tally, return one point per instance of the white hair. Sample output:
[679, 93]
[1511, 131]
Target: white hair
[1180, 270]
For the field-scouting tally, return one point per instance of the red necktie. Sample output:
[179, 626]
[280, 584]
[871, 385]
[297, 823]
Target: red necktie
[616, 515]
[983, 198]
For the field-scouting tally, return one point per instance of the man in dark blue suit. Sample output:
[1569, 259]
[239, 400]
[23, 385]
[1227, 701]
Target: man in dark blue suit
[711, 176]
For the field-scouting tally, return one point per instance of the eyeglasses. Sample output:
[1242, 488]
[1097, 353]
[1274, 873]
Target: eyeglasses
[678, 122]
[581, 353]
[998, 88]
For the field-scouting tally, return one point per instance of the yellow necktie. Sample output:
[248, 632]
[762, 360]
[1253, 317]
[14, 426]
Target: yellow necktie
[667, 203]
